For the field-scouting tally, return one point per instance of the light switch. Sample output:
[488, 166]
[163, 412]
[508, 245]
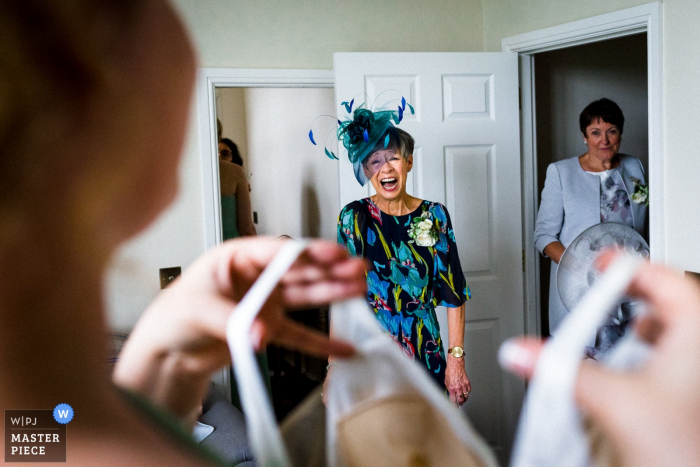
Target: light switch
[167, 275]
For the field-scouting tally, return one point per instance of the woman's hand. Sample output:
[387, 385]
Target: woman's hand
[180, 339]
[456, 380]
[554, 250]
[652, 415]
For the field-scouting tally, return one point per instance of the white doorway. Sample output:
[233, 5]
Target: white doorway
[209, 81]
[644, 19]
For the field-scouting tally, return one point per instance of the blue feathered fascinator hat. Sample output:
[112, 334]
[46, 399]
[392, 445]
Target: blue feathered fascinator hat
[361, 130]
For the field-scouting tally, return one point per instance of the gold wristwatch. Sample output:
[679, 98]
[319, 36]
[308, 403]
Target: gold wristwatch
[456, 352]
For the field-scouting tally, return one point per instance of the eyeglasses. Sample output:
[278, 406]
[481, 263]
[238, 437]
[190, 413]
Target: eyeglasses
[225, 153]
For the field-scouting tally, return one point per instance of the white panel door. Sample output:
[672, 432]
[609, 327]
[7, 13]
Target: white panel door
[466, 127]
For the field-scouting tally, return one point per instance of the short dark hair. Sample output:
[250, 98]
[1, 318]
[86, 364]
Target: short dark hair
[399, 140]
[236, 155]
[603, 109]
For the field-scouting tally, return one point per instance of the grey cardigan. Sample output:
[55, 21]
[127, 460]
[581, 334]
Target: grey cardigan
[570, 204]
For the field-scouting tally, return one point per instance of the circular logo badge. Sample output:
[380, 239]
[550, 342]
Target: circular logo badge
[63, 413]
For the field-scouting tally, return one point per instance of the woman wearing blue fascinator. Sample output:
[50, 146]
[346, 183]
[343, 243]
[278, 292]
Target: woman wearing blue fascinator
[409, 245]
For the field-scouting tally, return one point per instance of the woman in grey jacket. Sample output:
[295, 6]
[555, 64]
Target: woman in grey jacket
[582, 191]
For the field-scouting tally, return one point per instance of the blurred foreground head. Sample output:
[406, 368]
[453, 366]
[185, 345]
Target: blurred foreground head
[85, 87]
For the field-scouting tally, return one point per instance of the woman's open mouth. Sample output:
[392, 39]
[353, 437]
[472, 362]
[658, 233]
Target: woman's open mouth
[389, 183]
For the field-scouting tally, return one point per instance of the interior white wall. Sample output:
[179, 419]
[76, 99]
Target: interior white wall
[681, 135]
[230, 109]
[567, 80]
[176, 238]
[294, 185]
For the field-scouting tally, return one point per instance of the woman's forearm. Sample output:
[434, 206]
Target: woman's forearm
[455, 326]
[554, 251]
[165, 379]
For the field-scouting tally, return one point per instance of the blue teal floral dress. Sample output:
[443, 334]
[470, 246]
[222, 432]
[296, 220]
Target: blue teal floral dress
[407, 281]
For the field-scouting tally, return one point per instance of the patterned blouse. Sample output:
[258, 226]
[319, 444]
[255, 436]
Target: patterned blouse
[406, 281]
[614, 200]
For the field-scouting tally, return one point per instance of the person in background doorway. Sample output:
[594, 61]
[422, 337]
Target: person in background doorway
[228, 151]
[236, 211]
[598, 186]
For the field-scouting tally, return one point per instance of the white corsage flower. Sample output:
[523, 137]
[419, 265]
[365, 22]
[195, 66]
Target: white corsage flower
[422, 231]
[425, 239]
[641, 192]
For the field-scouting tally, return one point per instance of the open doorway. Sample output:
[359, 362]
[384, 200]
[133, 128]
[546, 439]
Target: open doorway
[645, 21]
[209, 81]
[293, 192]
[566, 81]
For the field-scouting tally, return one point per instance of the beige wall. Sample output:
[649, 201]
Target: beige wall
[305, 34]
[681, 134]
[505, 18]
[295, 186]
[230, 109]
[175, 239]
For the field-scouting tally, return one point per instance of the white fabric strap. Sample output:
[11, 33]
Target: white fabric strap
[550, 431]
[264, 435]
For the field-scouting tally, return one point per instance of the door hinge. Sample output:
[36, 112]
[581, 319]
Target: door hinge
[523, 260]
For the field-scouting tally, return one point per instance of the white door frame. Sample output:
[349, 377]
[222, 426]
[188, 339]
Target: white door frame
[208, 80]
[644, 18]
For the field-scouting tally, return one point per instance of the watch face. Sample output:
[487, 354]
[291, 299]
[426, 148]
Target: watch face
[457, 352]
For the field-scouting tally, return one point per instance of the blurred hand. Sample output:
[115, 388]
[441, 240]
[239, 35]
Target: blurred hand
[180, 339]
[324, 393]
[651, 415]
